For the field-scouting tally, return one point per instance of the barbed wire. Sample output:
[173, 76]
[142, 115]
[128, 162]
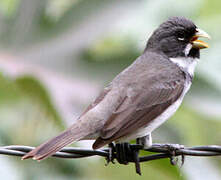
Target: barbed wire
[158, 151]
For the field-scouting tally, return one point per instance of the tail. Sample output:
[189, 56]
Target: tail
[55, 144]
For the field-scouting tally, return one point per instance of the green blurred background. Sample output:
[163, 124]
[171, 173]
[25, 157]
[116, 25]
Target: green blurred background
[55, 57]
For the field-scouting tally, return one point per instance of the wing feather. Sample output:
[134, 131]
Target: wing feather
[146, 105]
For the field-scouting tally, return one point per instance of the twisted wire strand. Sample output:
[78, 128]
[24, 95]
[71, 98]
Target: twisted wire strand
[160, 151]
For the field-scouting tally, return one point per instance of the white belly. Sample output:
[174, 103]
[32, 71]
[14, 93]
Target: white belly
[160, 119]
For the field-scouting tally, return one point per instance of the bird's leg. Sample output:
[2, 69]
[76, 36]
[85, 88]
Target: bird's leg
[145, 141]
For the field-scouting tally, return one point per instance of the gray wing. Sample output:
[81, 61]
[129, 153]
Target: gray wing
[100, 97]
[145, 99]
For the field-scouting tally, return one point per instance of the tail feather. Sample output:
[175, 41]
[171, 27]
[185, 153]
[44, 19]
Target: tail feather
[55, 144]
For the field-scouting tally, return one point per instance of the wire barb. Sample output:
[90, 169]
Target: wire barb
[160, 151]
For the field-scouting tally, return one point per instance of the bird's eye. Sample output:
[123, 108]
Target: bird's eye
[181, 36]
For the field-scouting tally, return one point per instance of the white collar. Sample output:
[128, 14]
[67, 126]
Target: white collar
[186, 63]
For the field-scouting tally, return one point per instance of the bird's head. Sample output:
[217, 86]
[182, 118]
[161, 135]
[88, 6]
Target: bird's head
[177, 37]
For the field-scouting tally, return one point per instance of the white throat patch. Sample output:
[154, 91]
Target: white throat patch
[187, 49]
[186, 63]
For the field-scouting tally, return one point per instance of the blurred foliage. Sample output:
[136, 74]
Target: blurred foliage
[26, 110]
[32, 88]
[8, 7]
[128, 172]
[29, 115]
[210, 8]
[102, 51]
[100, 55]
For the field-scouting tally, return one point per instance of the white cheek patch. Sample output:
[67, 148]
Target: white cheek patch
[187, 49]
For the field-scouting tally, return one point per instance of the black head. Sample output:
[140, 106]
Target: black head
[177, 37]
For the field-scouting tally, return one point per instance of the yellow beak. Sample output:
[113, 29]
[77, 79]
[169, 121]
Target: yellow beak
[198, 44]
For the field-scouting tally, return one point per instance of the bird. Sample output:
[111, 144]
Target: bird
[143, 96]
